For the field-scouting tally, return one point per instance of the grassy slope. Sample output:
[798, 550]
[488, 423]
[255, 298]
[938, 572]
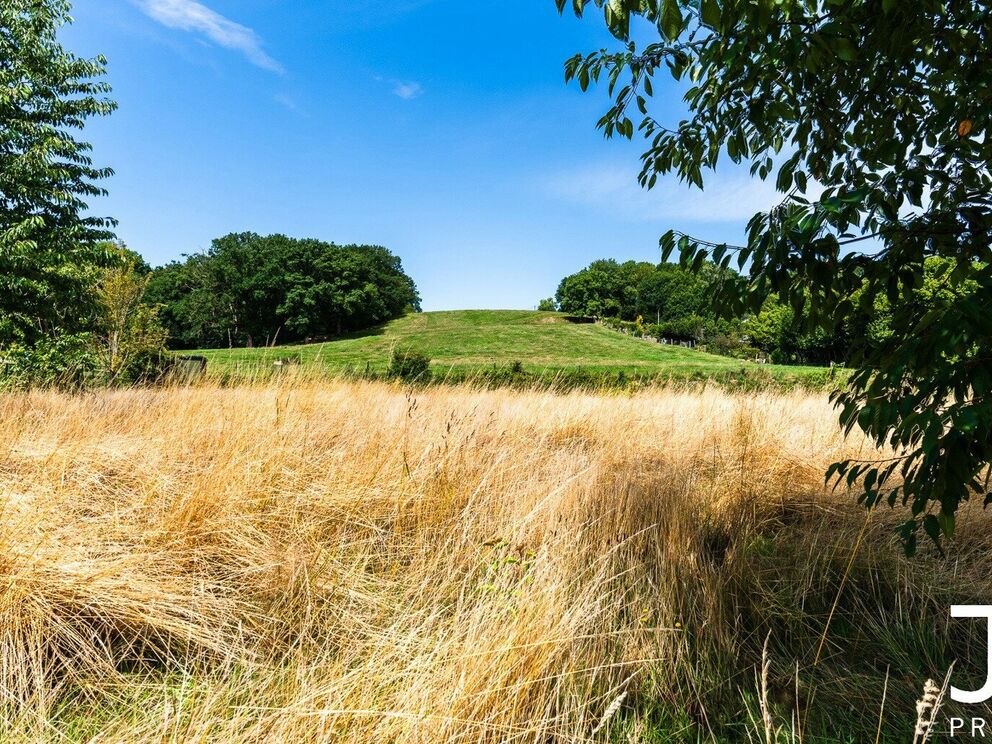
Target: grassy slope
[467, 340]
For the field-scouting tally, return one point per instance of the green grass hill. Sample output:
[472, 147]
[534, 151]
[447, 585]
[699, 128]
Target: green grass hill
[464, 343]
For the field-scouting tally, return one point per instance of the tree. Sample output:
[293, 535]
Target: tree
[872, 117]
[336, 289]
[249, 289]
[774, 330]
[604, 289]
[128, 331]
[670, 292]
[547, 305]
[193, 304]
[591, 291]
[656, 292]
[49, 247]
[767, 329]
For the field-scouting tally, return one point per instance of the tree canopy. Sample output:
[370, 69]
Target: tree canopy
[608, 288]
[673, 301]
[872, 118]
[250, 290]
[49, 245]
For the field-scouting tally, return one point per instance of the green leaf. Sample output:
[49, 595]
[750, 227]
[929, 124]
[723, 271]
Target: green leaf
[709, 11]
[932, 527]
[844, 49]
[671, 19]
[617, 18]
[946, 522]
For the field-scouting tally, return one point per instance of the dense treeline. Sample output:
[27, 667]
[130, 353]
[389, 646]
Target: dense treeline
[249, 290]
[662, 300]
[668, 300]
[609, 289]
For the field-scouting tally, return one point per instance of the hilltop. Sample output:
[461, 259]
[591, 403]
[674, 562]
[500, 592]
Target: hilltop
[463, 342]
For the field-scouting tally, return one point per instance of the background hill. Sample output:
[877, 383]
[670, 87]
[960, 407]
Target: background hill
[464, 342]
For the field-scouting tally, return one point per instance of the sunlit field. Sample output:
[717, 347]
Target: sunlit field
[340, 562]
[474, 345]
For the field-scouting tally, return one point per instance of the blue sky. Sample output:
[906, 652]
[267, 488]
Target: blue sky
[441, 129]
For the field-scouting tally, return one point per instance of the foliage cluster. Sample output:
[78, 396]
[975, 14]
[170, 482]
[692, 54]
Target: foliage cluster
[675, 302]
[610, 289]
[872, 118]
[409, 366]
[121, 342]
[71, 305]
[49, 245]
[250, 290]
[129, 337]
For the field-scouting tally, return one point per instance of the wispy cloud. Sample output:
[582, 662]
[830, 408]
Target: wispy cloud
[288, 102]
[407, 90]
[189, 15]
[728, 197]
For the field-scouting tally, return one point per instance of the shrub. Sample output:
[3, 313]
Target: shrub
[74, 361]
[147, 366]
[410, 366]
[732, 346]
[65, 361]
[128, 335]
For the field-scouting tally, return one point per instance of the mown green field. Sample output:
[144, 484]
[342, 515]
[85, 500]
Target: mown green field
[463, 343]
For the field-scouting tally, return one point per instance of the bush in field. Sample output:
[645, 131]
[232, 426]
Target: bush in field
[731, 346]
[130, 339]
[410, 366]
[124, 341]
[66, 360]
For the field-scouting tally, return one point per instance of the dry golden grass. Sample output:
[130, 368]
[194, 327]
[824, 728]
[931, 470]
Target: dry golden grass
[367, 563]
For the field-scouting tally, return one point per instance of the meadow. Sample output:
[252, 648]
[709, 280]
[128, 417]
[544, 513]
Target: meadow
[469, 345]
[363, 562]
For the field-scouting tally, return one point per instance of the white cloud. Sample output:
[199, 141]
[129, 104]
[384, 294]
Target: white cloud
[189, 15]
[728, 197]
[407, 90]
[287, 101]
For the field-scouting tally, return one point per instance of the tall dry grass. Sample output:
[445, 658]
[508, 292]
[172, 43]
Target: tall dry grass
[366, 563]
